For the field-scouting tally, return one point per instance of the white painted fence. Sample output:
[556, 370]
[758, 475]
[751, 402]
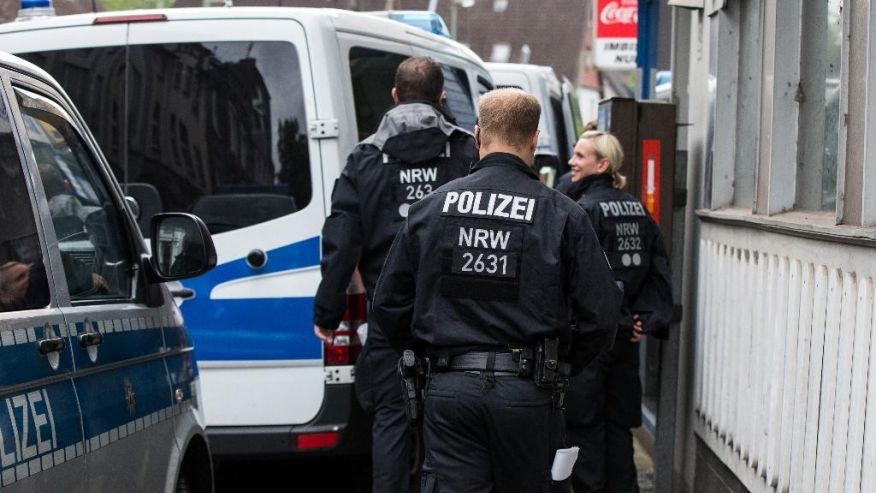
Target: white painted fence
[785, 391]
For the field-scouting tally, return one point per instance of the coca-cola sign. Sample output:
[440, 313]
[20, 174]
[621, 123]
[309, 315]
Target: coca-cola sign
[616, 22]
[616, 18]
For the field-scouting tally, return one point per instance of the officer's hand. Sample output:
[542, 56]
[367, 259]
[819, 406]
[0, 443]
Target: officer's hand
[638, 329]
[325, 335]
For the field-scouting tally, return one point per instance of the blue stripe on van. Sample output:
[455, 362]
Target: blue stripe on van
[254, 328]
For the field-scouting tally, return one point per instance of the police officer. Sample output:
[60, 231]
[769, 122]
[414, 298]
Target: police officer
[414, 151]
[484, 274]
[605, 400]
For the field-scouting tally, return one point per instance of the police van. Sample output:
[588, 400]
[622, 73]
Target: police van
[98, 381]
[244, 116]
[560, 124]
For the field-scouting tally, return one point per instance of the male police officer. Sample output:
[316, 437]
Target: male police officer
[414, 151]
[483, 276]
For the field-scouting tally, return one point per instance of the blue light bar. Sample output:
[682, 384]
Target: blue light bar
[35, 9]
[427, 21]
[30, 4]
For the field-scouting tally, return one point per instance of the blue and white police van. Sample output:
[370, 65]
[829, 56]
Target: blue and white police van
[98, 381]
[244, 116]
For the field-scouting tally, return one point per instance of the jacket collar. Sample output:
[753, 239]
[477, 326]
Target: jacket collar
[590, 184]
[505, 160]
[408, 117]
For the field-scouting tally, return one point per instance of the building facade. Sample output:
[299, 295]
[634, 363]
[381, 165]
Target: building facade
[777, 369]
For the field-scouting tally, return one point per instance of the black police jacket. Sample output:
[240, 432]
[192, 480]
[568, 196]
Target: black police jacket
[414, 151]
[493, 259]
[635, 249]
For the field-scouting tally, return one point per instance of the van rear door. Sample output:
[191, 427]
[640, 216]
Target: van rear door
[222, 131]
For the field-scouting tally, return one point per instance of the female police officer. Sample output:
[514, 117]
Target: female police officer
[605, 400]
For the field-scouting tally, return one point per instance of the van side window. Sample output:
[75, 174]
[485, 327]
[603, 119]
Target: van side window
[459, 100]
[95, 253]
[373, 76]
[218, 129]
[560, 126]
[23, 281]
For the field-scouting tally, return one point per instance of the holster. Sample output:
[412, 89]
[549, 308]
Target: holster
[549, 371]
[412, 371]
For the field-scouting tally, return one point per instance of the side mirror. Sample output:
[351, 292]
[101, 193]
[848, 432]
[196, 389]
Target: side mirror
[181, 246]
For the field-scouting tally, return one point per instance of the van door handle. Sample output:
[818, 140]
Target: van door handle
[90, 339]
[183, 293]
[50, 345]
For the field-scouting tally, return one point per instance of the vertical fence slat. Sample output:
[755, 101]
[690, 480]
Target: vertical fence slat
[868, 462]
[828, 381]
[860, 368]
[777, 369]
[767, 366]
[821, 294]
[757, 370]
[804, 338]
[846, 339]
[792, 329]
[702, 289]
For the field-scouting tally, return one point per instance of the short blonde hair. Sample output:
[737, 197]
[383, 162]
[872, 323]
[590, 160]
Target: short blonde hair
[606, 146]
[508, 115]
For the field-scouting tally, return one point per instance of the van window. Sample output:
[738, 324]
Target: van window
[96, 256]
[564, 148]
[23, 281]
[459, 99]
[373, 77]
[210, 126]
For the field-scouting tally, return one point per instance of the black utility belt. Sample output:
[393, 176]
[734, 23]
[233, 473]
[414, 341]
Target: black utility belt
[477, 361]
[540, 363]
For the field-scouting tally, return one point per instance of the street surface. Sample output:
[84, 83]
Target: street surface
[325, 475]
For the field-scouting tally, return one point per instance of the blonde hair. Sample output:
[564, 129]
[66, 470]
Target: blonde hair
[606, 146]
[508, 115]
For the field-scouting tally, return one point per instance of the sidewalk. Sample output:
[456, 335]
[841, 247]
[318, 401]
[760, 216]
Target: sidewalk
[644, 464]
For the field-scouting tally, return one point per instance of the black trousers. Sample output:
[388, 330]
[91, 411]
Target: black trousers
[378, 388]
[486, 434]
[604, 402]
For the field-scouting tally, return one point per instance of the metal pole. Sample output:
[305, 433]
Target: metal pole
[433, 5]
[453, 16]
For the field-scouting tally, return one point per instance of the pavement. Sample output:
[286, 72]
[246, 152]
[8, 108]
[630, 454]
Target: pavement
[644, 463]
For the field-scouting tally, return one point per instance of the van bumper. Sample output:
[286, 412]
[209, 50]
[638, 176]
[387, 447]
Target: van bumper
[340, 412]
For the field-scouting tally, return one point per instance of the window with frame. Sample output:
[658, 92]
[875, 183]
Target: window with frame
[819, 97]
[373, 77]
[23, 281]
[96, 256]
[218, 129]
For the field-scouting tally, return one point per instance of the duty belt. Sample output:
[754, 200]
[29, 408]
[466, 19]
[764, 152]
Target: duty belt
[478, 361]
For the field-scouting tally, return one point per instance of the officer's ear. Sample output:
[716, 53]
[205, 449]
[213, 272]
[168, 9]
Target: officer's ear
[477, 136]
[603, 166]
[441, 98]
[533, 143]
[394, 96]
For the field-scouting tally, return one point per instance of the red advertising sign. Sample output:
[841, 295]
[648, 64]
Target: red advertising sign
[651, 177]
[617, 18]
[614, 46]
